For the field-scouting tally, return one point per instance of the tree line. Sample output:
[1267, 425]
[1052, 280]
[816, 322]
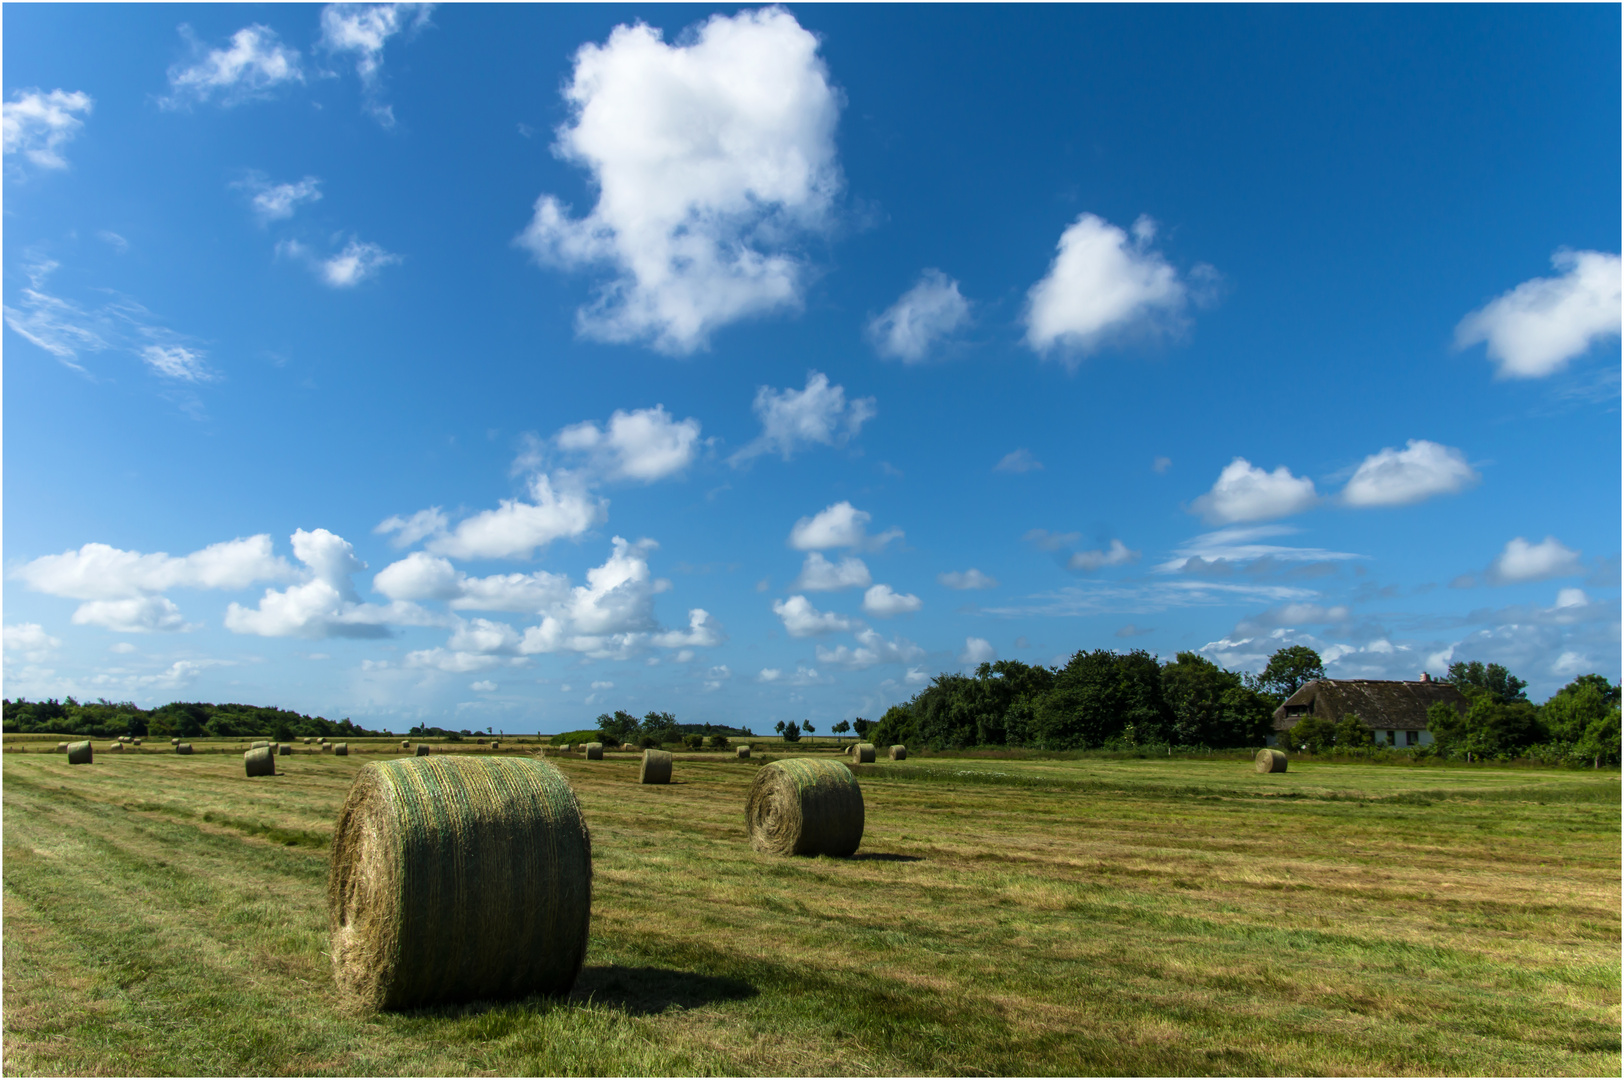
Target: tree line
[103, 719]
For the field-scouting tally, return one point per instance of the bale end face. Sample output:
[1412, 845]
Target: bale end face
[805, 806]
[284, 749]
[259, 762]
[183, 748]
[656, 768]
[174, 742]
[594, 751]
[79, 753]
[341, 749]
[899, 753]
[863, 753]
[1271, 761]
[744, 751]
[422, 750]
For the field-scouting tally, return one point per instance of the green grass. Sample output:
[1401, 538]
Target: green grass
[165, 915]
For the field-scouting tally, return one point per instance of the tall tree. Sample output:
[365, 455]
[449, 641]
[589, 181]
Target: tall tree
[1493, 678]
[1288, 669]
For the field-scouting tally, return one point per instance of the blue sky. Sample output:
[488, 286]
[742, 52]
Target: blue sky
[499, 366]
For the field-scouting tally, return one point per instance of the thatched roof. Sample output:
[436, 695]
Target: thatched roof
[1380, 703]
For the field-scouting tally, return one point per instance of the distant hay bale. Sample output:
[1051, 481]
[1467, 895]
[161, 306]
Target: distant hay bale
[135, 742]
[422, 749]
[327, 748]
[656, 768]
[257, 743]
[79, 753]
[863, 753]
[628, 746]
[805, 806]
[284, 749]
[1271, 761]
[259, 762]
[123, 738]
[458, 879]
[341, 749]
[594, 751]
[405, 744]
[899, 753]
[174, 742]
[183, 748]
[495, 743]
[308, 740]
[744, 751]
[116, 746]
[62, 748]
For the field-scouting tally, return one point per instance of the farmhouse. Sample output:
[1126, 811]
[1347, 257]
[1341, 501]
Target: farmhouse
[1395, 710]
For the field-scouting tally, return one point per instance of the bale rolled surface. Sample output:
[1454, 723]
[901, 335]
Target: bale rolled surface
[259, 762]
[656, 768]
[744, 751]
[183, 748]
[863, 753]
[458, 879]
[594, 751]
[422, 750]
[342, 749]
[79, 753]
[805, 806]
[899, 753]
[284, 749]
[1271, 761]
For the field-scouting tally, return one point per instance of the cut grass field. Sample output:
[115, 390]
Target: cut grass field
[165, 915]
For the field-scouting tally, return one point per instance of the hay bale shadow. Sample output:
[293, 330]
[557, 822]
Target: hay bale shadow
[649, 991]
[884, 856]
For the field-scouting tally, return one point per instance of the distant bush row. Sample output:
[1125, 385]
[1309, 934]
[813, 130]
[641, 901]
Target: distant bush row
[103, 719]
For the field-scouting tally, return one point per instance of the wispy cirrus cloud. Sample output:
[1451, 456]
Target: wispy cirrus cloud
[250, 68]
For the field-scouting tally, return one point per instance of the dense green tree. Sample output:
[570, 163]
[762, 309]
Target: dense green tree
[1572, 709]
[1490, 728]
[861, 726]
[1098, 696]
[792, 732]
[896, 726]
[1286, 672]
[1493, 678]
[1211, 706]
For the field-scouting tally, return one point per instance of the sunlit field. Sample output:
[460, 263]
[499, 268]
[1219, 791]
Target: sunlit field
[166, 915]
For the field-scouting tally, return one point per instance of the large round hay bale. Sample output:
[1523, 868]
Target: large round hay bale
[341, 749]
[863, 753]
[79, 753]
[744, 751]
[259, 762]
[656, 768]
[422, 750]
[899, 753]
[284, 749]
[62, 748]
[805, 806]
[183, 748]
[594, 751]
[1271, 761]
[491, 850]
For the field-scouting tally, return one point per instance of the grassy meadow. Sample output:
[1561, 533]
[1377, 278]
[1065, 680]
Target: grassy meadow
[165, 915]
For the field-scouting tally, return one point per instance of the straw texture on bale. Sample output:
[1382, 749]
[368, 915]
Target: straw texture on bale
[899, 753]
[341, 749]
[79, 753]
[284, 749]
[594, 751]
[259, 762]
[744, 751]
[805, 806]
[863, 753]
[458, 879]
[422, 750]
[656, 768]
[183, 748]
[1271, 761]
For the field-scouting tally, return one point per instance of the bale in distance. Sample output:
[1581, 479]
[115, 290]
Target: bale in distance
[656, 768]
[341, 749]
[495, 848]
[628, 746]
[308, 740]
[805, 806]
[594, 751]
[135, 742]
[183, 748]
[62, 748]
[123, 738]
[744, 751]
[899, 753]
[79, 753]
[174, 742]
[422, 750]
[116, 746]
[1271, 761]
[327, 748]
[405, 744]
[257, 743]
[259, 762]
[863, 753]
[284, 749]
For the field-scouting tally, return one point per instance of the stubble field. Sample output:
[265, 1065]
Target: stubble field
[166, 915]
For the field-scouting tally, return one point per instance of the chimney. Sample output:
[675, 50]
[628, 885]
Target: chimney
[1425, 677]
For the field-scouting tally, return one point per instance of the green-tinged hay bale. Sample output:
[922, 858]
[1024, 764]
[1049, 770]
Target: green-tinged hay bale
[656, 768]
[259, 762]
[284, 749]
[863, 753]
[174, 742]
[458, 879]
[79, 753]
[744, 751]
[135, 742]
[594, 751]
[124, 738]
[62, 748]
[899, 753]
[116, 746]
[1271, 761]
[341, 749]
[422, 750]
[183, 748]
[805, 806]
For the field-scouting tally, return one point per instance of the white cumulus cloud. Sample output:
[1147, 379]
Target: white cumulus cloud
[710, 158]
[884, 602]
[37, 125]
[1103, 285]
[801, 619]
[516, 528]
[30, 641]
[872, 649]
[364, 29]
[1117, 554]
[839, 525]
[276, 202]
[820, 575]
[252, 66]
[792, 420]
[1536, 328]
[977, 651]
[1245, 492]
[967, 579]
[325, 604]
[924, 315]
[137, 615]
[643, 444]
[1522, 561]
[1400, 477]
[703, 632]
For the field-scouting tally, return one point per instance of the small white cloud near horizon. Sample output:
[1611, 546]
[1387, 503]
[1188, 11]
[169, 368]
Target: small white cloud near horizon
[818, 574]
[925, 315]
[1102, 286]
[884, 602]
[1244, 492]
[252, 66]
[801, 619]
[1018, 461]
[711, 158]
[1117, 554]
[838, 525]
[1536, 328]
[1402, 477]
[37, 125]
[792, 420]
[643, 444]
[967, 579]
[977, 651]
[1521, 562]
